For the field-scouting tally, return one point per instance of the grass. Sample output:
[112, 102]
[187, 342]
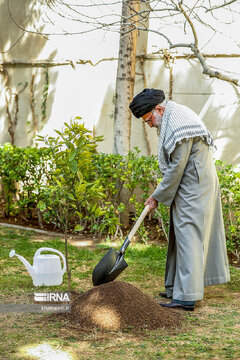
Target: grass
[211, 332]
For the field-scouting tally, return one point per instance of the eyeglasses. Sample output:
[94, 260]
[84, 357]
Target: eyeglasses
[150, 117]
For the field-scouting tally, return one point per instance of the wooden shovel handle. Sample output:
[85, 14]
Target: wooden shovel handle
[138, 222]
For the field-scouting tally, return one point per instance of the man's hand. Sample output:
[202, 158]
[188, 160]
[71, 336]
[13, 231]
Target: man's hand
[152, 203]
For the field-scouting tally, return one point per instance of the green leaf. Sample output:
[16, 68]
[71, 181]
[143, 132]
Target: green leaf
[71, 197]
[99, 212]
[93, 208]
[72, 155]
[73, 166]
[58, 132]
[79, 214]
[42, 206]
[80, 188]
[78, 228]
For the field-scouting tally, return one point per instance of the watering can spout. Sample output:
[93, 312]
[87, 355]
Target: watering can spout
[28, 266]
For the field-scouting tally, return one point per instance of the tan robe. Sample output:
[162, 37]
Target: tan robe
[197, 254]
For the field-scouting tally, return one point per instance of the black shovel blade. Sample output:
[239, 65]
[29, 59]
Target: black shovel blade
[108, 268]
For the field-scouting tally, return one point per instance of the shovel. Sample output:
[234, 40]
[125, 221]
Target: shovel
[113, 263]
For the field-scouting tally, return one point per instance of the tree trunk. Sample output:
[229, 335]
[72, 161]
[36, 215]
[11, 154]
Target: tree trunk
[125, 89]
[141, 133]
[66, 256]
[125, 78]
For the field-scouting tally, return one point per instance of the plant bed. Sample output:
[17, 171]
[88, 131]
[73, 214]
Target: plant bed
[153, 234]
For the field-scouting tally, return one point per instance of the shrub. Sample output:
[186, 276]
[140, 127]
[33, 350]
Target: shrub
[72, 197]
[138, 174]
[22, 173]
[76, 187]
[229, 179]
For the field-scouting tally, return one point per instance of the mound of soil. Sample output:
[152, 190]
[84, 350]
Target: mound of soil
[119, 305]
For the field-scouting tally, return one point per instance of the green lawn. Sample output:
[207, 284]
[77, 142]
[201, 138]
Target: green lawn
[211, 332]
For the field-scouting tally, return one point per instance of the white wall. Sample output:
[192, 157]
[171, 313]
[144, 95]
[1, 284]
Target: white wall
[88, 91]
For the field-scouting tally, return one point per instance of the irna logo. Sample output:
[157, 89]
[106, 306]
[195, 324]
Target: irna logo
[52, 297]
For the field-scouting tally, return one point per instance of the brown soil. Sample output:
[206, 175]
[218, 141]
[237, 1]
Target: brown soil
[117, 306]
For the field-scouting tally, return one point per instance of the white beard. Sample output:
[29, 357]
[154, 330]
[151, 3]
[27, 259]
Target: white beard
[159, 126]
[158, 120]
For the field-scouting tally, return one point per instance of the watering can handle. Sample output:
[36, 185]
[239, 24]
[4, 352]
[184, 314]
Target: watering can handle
[56, 251]
[138, 222]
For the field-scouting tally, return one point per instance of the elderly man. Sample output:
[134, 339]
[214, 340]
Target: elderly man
[196, 254]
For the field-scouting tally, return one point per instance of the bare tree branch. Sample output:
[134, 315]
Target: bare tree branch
[165, 13]
[190, 23]
[12, 46]
[208, 71]
[154, 31]
[220, 6]
[100, 26]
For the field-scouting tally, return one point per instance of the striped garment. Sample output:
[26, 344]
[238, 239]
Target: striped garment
[178, 123]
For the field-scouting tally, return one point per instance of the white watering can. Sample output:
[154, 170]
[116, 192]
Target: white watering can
[46, 269]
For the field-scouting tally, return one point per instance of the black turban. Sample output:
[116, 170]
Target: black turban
[145, 101]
